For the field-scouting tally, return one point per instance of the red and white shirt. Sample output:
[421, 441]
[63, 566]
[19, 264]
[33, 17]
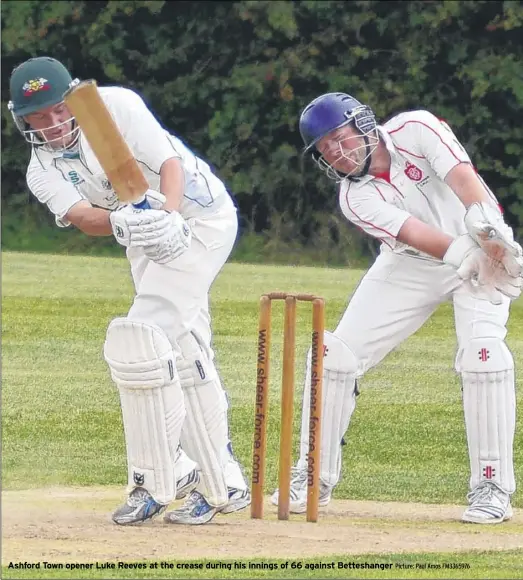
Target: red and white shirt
[423, 149]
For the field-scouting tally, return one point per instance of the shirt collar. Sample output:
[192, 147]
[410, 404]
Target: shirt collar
[45, 154]
[389, 144]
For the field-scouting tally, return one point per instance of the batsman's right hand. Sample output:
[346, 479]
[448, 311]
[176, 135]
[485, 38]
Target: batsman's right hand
[120, 220]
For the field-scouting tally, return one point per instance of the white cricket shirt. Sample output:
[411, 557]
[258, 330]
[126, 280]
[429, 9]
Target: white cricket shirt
[61, 179]
[423, 150]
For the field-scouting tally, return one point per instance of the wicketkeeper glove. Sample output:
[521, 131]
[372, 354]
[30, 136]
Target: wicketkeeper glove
[485, 277]
[485, 224]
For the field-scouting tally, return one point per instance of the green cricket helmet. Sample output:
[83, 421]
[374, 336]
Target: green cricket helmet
[36, 84]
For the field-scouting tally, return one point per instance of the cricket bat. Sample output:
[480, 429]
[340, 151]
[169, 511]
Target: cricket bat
[114, 155]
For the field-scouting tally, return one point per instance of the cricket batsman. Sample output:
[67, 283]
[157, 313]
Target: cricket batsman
[411, 184]
[159, 355]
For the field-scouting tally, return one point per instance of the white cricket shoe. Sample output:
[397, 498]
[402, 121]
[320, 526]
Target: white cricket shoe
[195, 511]
[139, 507]
[489, 504]
[298, 492]
[238, 500]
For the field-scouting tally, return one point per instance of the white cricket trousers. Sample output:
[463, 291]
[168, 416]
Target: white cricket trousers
[175, 296]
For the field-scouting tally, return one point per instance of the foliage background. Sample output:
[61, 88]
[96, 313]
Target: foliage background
[230, 79]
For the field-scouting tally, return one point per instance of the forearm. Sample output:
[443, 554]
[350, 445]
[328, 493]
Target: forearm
[92, 221]
[172, 183]
[425, 238]
[465, 183]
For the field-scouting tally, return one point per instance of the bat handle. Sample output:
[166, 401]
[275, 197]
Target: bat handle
[142, 204]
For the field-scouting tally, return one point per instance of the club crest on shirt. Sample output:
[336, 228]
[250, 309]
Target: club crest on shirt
[412, 172]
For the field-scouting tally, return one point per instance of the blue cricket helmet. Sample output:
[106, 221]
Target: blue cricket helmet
[329, 112]
[325, 114]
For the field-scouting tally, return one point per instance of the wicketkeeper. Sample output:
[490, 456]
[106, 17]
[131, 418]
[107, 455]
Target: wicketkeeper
[411, 184]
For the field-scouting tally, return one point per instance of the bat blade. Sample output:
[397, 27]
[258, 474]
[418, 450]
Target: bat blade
[94, 119]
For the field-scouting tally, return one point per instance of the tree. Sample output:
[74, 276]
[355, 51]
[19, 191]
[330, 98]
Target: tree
[231, 78]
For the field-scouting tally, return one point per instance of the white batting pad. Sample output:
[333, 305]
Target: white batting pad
[141, 360]
[489, 403]
[205, 433]
[338, 404]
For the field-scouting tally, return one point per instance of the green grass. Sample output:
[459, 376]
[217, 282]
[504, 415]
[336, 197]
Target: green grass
[31, 228]
[406, 441]
[61, 417]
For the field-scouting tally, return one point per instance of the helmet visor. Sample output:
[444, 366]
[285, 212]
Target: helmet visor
[346, 152]
[59, 136]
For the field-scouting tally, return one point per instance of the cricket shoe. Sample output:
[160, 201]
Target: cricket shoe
[196, 510]
[139, 507]
[488, 504]
[238, 499]
[187, 483]
[298, 492]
